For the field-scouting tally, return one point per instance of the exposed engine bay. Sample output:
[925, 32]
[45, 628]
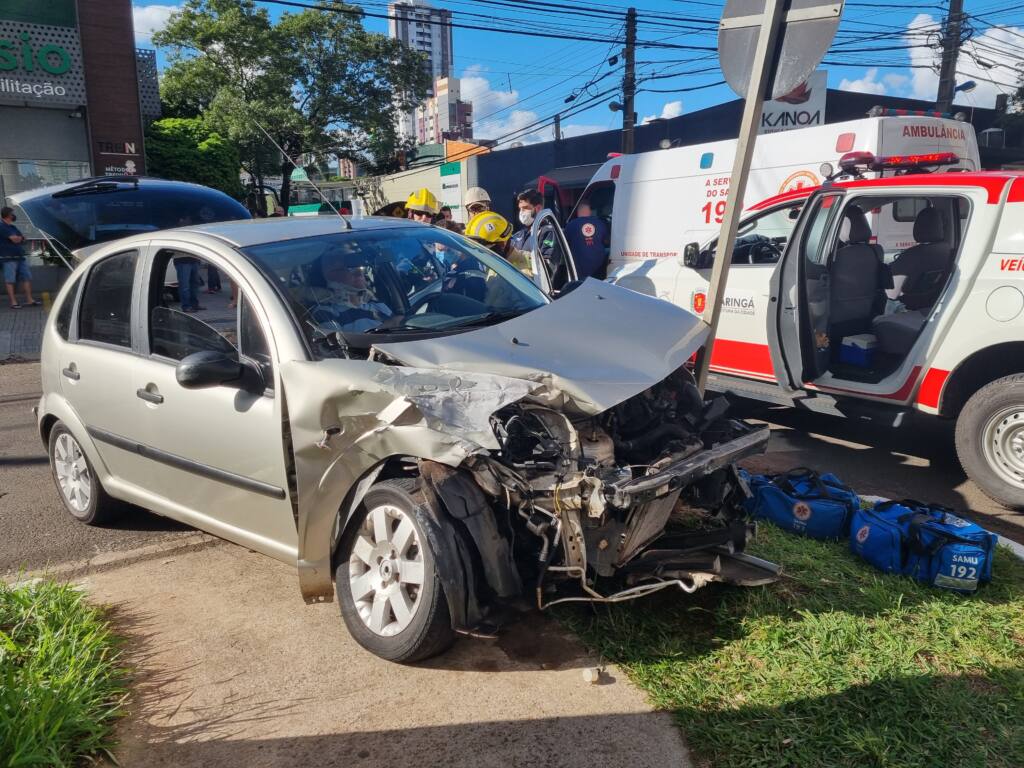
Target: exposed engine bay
[636, 499]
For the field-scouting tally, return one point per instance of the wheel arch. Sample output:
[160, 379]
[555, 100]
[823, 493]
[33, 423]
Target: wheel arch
[472, 564]
[980, 368]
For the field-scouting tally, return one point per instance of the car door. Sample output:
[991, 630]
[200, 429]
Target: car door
[552, 261]
[218, 459]
[741, 344]
[796, 288]
[97, 364]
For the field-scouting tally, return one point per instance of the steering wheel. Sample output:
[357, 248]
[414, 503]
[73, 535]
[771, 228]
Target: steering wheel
[766, 252]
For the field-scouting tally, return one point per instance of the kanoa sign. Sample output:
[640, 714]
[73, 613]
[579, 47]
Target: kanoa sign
[40, 65]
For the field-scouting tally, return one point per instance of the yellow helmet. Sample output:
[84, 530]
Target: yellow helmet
[489, 228]
[422, 200]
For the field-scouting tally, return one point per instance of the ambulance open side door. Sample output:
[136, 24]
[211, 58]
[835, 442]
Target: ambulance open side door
[799, 296]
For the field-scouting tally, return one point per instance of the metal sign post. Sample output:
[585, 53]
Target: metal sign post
[759, 60]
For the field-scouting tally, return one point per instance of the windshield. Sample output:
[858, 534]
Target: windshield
[110, 211]
[374, 285]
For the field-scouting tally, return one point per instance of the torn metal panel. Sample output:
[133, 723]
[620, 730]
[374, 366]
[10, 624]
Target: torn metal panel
[348, 416]
[591, 349]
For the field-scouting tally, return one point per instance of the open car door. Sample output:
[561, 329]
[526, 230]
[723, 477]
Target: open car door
[552, 194]
[551, 260]
[797, 328]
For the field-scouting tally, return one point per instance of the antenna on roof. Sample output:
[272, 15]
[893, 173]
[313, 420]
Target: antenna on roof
[348, 224]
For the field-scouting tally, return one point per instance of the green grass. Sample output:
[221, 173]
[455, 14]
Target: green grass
[61, 681]
[835, 665]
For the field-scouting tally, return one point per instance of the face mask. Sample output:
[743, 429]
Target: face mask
[526, 218]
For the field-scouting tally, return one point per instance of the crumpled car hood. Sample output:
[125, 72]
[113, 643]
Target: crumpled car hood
[590, 350]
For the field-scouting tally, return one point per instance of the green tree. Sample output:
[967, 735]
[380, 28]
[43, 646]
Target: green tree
[186, 150]
[316, 81]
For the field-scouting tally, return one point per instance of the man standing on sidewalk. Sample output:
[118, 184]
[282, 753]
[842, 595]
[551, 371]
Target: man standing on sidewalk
[13, 261]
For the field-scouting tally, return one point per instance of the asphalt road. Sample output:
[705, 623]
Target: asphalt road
[916, 461]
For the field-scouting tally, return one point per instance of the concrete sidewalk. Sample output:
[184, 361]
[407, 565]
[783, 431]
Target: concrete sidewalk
[21, 331]
[234, 669]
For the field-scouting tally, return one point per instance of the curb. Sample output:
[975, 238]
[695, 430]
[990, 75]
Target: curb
[108, 561]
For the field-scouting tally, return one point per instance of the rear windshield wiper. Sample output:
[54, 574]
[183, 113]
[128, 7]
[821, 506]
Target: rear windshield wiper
[97, 186]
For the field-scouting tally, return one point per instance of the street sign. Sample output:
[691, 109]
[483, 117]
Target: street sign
[806, 34]
[766, 48]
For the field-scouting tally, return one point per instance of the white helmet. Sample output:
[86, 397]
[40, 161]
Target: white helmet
[477, 195]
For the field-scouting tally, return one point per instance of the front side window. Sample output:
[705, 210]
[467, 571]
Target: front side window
[370, 286]
[106, 311]
[760, 239]
[193, 307]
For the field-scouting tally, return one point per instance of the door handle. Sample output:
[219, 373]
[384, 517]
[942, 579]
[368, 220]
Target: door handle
[149, 397]
[72, 374]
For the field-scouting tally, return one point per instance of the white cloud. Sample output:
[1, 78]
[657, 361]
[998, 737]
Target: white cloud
[867, 84]
[670, 110]
[579, 129]
[986, 57]
[150, 18]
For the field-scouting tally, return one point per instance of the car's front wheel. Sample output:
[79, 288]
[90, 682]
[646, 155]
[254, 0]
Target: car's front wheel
[387, 584]
[79, 488]
[990, 440]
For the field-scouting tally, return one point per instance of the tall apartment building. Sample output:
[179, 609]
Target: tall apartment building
[426, 29]
[444, 115]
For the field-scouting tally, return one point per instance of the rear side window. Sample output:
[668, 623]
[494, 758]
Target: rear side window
[106, 310]
[63, 321]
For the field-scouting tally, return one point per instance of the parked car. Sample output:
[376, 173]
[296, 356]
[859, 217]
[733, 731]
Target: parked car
[402, 415]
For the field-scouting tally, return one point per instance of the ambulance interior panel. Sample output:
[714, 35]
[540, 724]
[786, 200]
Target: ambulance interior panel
[873, 290]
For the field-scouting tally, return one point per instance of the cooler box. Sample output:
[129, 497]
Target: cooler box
[858, 350]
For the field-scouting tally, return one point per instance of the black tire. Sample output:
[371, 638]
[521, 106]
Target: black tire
[101, 507]
[1002, 400]
[429, 631]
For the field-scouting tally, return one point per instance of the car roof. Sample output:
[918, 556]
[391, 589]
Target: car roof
[245, 233]
[142, 181]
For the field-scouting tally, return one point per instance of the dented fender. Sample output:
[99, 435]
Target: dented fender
[348, 417]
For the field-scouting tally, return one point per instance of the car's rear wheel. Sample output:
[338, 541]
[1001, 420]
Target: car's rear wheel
[990, 440]
[79, 488]
[387, 584]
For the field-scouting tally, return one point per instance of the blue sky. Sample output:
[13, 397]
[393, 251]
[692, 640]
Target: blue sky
[515, 81]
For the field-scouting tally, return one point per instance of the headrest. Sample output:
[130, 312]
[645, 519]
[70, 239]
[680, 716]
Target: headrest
[860, 230]
[929, 226]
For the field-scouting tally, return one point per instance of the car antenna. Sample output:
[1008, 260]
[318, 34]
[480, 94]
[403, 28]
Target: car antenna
[348, 224]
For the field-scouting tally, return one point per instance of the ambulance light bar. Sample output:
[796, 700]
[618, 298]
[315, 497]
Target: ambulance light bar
[853, 162]
[880, 111]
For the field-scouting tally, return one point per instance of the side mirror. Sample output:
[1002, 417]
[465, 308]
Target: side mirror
[691, 255]
[208, 369]
[569, 287]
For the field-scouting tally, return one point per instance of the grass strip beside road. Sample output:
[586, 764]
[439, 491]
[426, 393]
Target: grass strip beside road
[835, 665]
[61, 681]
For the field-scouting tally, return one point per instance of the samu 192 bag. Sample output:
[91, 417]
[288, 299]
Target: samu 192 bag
[935, 545]
[803, 501]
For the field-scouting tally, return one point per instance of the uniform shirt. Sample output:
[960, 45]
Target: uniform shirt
[10, 251]
[588, 241]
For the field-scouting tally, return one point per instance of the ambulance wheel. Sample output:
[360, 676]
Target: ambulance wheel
[990, 440]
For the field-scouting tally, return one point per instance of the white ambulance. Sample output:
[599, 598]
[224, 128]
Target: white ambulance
[656, 202]
[822, 312]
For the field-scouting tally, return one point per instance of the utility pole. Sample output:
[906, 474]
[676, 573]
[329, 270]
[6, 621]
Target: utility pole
[950, 51]
[558, 127]
[629, 84]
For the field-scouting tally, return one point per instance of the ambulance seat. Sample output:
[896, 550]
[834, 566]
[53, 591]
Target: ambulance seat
[896, 333]
[925, 266]
[856, 278]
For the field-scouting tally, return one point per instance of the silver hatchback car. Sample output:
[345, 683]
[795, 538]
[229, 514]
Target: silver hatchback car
[398, 412]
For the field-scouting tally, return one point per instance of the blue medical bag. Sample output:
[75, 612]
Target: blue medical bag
[927, 542]
[803, 501]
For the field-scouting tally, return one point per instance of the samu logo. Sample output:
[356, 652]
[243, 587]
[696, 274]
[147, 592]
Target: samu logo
[802, 511]
[863, 533]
